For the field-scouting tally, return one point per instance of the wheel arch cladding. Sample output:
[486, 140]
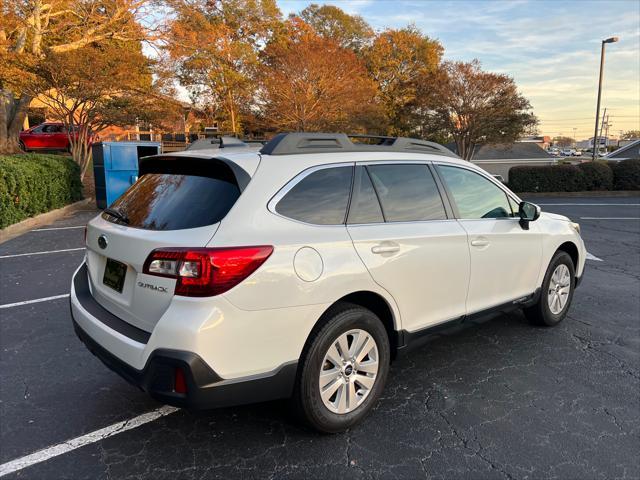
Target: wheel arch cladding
[372, 302]
[572, 250]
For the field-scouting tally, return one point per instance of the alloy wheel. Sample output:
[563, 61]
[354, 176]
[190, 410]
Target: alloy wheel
[349, 371]
[559, 289]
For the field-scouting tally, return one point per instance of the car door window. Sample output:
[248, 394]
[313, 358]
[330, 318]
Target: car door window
[364, 207]
[407, 192]
[474, 195]
[320, 198]
[38, 129]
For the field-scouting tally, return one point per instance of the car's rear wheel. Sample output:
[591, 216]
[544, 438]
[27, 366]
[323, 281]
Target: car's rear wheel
[557, 292]
[22, 146]
[343, 370]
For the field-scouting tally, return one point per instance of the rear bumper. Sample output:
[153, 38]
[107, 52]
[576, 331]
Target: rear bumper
[205, 388]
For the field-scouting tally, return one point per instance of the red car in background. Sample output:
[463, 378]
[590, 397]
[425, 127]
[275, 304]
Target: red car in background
[46, 136]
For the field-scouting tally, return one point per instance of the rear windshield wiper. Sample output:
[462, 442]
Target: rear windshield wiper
[117, 214]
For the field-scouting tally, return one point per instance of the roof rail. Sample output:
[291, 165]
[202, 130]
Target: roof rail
[301, 142]
[219, 142]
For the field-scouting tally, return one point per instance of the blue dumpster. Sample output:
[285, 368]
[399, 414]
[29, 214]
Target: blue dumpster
[115, 167]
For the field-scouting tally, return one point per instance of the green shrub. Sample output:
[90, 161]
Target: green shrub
[597, 175]
[34, 183]
[626, 174]
[551, 178]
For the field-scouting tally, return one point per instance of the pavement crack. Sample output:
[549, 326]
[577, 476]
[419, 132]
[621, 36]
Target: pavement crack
[476, 452]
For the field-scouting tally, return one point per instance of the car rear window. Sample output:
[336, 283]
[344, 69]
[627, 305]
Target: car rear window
[169, 201]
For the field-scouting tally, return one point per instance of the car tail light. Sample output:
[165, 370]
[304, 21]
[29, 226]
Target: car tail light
[205, 272]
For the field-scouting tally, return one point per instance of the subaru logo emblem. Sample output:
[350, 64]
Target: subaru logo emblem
[102, 242]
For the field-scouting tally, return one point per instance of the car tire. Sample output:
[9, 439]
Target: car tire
[344, 401]
[556, 292]
[22, 146]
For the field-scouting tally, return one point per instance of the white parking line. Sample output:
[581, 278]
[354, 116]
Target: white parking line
[37, 300]
[57, 228]
[42, 253]
[593, 257]
[609, 218]
[89, 438]
[591, 204]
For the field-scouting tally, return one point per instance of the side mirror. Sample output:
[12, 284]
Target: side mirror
[529, 212]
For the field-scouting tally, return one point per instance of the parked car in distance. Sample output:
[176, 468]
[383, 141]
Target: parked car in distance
[230, 276]
[46, 136]
[567, 152]
[553, 151]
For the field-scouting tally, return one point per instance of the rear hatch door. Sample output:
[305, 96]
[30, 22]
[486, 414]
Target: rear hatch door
[175, 204]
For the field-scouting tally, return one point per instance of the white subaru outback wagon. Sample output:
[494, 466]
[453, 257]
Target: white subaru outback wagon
[231, 275]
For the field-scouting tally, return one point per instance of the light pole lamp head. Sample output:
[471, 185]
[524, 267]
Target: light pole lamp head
[611, 40]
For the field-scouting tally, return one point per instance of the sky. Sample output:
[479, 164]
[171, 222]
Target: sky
[550, 48]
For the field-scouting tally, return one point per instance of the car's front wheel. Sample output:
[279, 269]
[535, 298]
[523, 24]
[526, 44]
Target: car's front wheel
[557, 292]
[344, 369]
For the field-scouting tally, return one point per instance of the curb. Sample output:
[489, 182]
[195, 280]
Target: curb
[595, 193]
[17, 229]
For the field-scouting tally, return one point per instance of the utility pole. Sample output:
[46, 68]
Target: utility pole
[595, 132]
[600, 136]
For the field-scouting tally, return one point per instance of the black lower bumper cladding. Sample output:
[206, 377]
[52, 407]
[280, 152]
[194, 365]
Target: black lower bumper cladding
[205, 388]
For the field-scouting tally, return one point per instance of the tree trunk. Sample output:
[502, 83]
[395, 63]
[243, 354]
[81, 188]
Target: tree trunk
[12, 114]
[80, 148]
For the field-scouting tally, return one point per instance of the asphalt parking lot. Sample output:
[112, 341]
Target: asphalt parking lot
[501, 399]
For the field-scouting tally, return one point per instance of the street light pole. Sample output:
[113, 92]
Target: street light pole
[596, 143]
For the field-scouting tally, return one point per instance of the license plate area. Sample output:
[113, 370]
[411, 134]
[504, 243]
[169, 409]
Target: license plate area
[114, 275]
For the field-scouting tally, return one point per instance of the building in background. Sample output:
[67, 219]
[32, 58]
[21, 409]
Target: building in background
[543, 141]
[604, 143]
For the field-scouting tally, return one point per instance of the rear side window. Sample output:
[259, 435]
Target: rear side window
[364, 207]
[164, 201]
[407, 193]
[320, 198]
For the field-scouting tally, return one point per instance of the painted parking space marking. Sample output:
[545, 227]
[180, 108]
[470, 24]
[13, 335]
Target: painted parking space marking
[593, 257]
[609, 218]
[42, 253]
[590, 204]
[89, 438]
[36, 300]
[57, 228]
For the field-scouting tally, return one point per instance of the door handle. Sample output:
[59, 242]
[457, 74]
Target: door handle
[480, 242]
[385, 249]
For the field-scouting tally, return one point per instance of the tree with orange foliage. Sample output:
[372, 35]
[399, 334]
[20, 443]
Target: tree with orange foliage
[399, 61]
[310, 83]
[215, 46]
[474, 107]
[349, 31]
[94, 87]
[30, 28]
